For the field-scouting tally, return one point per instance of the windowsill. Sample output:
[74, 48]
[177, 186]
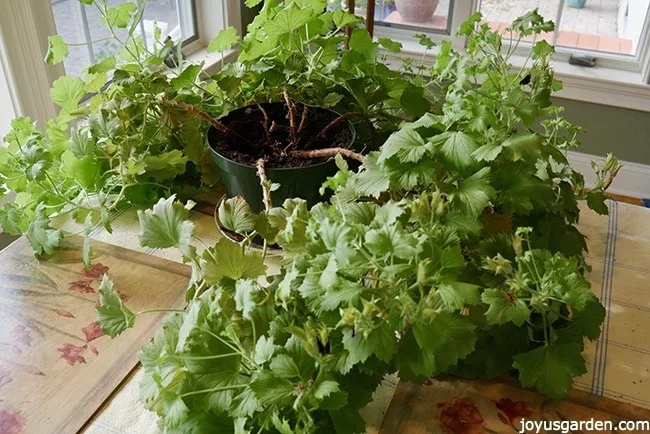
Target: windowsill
[197, 53]
[598, 84]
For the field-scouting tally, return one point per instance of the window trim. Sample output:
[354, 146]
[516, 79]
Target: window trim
[611, 82]
[26, 24]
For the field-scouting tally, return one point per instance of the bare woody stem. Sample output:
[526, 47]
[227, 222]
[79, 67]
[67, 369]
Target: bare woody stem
[212, 121]
[326, 153]
[265, 183]
[291, 115]
[337, 121]
[303, 120]
[267, 122]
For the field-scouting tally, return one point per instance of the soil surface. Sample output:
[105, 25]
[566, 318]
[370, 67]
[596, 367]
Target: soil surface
[249, 140]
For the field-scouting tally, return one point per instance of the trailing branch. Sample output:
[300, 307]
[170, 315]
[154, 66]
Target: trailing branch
[326, 153]
[337, 121]
[265, 183]
[203, 115]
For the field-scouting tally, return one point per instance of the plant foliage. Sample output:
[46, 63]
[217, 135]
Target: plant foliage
[453, 249]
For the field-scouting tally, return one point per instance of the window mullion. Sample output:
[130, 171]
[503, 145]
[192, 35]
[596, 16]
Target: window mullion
[558, 21]
[86, 31]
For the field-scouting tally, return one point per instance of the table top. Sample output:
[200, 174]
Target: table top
[618, 363]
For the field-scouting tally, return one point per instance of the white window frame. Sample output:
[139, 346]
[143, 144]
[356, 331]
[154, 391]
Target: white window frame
[26, 24]
[616, 80]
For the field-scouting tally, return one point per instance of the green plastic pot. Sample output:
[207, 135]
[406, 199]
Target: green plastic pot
[295, 182]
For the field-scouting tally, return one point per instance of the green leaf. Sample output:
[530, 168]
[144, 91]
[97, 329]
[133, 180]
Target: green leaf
[325, 389]
[105, 65]
[522, 146]
[271, 389]
[551, 368]
[288, 20]
[504, 307]
[43, 239]
[343, 18]
[487, 152]
[174, 408]
[413, 101]
[406, 143]
[264, 349]
[186, 78]
[67, 91]
[228, 260]
[165, 165]
[449, 336]
[81, 143]
[194, 314]
[57, 50]
[112, 316]
[252, 3]
[166, 225]
[390, 45]
[475, 192]
[119, 16]
[284, 366]
[362, 43]
[597, 201]
[244, 297]
[224, 40]
[372, 180]
[235, 215]
[457, 150]
[589, 320]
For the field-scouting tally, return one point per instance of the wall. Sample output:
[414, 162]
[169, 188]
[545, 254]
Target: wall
[624, 132]
[6, 108]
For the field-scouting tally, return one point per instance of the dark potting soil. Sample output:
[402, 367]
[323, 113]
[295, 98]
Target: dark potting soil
[249, 142]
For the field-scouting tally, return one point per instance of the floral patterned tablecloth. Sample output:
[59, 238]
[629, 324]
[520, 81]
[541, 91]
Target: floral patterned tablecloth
[618, 363]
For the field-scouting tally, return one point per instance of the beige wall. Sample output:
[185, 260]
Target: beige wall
[624, 132]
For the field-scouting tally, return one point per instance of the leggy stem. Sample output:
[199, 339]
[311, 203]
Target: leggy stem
[264, 182]
[325, 153]
[336, 122]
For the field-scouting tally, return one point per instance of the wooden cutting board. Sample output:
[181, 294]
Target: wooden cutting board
[56, 366]
[476, 407]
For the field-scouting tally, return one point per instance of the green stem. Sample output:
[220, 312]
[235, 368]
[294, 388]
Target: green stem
[142, 312]
[214, 389]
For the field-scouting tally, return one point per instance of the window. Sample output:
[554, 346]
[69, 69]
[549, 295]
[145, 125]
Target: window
[25, 26]
[608, 29]
[80, 24]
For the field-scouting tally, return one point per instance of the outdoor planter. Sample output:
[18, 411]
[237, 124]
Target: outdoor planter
[297, 176]
[416, 11]
[579, 4]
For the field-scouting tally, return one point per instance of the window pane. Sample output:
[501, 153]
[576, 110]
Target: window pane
[425, 14]
[79, 24]
[612, 26]
[499, 14]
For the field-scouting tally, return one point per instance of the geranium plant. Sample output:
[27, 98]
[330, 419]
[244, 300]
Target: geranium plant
[452, 250]
[131, 128]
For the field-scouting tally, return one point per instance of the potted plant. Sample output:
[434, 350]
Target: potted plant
[579, 4]
[416, 11]
[284, 86]
[132, 128]
[396, 273]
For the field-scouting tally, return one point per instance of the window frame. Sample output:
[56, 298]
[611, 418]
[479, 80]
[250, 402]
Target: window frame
[26, 24]
[616, 80]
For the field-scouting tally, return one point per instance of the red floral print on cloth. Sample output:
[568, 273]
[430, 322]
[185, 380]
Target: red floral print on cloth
[92, 331]
[82, 287]
[511, 410]
[460, 416]
[96, 271]
[22, 335]
[5, 376]
[73, 354]
[11, 421]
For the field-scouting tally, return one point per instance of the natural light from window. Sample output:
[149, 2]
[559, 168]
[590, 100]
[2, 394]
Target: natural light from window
[608, 26]
[80, 24]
